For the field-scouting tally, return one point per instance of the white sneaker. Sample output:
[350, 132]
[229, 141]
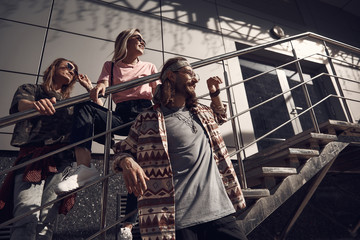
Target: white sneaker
[75, 177]
[125, 234]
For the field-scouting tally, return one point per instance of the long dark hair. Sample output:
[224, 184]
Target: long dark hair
[49, 75]
[167, 88]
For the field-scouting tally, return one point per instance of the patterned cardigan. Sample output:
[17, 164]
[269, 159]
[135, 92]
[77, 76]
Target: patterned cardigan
[147, 144]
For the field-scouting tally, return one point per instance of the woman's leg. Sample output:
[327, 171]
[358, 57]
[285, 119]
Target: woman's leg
[88, 116]
[27, 197]
[83, 156]
[89, 120]
[49, 214]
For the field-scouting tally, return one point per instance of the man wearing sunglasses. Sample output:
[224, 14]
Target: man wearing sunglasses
[175, 160]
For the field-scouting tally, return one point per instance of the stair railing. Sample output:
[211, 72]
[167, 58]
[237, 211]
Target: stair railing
[17, 117]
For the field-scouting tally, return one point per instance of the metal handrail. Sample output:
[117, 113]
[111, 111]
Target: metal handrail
[122, 126]
[13, 118]
[291, 119]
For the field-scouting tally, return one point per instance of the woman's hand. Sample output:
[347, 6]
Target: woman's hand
[134, 176]
[44, 106]
[99, 89]
[85, 82]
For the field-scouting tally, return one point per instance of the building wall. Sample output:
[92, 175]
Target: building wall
[34, 33]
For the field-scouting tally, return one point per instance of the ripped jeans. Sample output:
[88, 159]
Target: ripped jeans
[28, 196]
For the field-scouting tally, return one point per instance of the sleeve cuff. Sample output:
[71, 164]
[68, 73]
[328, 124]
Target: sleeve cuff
[117, 160]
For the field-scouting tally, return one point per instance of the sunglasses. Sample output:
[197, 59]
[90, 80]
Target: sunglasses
[71, 68]
[140, 39]
[190, 73]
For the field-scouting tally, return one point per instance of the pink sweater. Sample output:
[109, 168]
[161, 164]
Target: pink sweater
[125, 72]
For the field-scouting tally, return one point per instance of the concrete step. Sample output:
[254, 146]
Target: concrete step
[255, 193]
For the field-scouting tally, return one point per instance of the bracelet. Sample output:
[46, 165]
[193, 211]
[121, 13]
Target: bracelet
[215, 94]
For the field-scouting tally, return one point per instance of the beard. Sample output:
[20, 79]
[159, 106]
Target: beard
[191, 99]
[168, 90]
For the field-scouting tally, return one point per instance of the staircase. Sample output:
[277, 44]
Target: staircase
[275, 174]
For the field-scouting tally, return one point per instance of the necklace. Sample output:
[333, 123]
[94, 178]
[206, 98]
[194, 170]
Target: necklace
[189, 121]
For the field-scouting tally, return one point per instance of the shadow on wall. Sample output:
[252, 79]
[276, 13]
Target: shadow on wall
[107, 18]
[33, 7]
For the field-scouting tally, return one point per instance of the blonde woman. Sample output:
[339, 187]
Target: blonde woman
[90, 117]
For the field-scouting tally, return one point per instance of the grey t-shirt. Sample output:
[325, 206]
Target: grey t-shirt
[200, 195]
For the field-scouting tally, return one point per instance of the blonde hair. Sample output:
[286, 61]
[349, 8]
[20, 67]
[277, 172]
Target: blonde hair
[49, 74]
[120, 51]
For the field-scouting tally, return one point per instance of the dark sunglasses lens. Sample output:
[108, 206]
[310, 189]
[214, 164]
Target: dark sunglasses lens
[70, 66]
[140, 39]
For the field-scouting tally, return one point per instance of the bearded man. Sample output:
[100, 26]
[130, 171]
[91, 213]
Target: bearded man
[175, 160]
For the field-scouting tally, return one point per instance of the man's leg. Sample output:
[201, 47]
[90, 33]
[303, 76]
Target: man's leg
[190, 233]
[131, 205]
[223, 228]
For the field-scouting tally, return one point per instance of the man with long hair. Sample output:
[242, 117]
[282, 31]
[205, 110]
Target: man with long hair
[175, 160]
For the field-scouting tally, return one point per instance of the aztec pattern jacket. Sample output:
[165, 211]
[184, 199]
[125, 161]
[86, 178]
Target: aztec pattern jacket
[147, 144]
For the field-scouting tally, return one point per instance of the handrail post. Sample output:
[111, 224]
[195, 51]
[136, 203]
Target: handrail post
[306, 92]
[235, 132]
[105, 183]
[346, 107]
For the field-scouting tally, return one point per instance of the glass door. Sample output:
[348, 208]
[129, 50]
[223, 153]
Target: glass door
[269, 115]
[266, 83]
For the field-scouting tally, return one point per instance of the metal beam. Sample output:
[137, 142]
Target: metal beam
[318, 179]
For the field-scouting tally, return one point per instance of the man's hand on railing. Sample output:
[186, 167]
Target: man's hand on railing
[134, 176]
